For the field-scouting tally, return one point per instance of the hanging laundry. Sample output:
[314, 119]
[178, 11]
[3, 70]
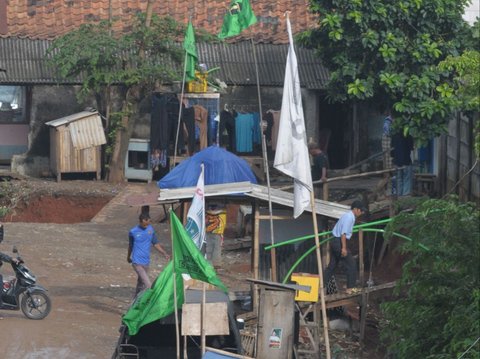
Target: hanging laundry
[201, 116]
[244, 125]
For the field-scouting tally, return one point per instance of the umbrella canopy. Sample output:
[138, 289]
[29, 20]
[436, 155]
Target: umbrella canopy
[221, 166]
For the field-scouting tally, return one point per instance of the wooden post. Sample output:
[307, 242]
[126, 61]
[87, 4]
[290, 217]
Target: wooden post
[256, 253]
[320, 274]
[360, 259]
[363, 310]
[325, 191]
[203, 317]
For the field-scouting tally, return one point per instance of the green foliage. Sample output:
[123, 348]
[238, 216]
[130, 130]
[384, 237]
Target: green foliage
[388, 51]
[136, 62]
[8, 198]
[143, 56]
[437, 312]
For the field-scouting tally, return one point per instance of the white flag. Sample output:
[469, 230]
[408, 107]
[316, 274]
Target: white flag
[291, 155]
[195, 226]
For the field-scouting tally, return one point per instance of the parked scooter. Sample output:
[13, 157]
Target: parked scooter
[22, 292]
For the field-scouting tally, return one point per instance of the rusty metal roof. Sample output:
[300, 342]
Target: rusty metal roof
[24, 61]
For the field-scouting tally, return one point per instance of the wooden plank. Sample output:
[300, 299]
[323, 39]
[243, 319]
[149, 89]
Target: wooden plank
[339, 296]
[228, 354]
[210, 190]
[216, 319]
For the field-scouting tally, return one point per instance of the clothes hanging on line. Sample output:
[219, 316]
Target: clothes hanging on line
[227, 130]
[201, 117]
[164, 121]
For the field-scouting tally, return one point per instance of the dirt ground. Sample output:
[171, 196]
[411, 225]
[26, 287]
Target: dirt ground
[73, 236]
[83, 265]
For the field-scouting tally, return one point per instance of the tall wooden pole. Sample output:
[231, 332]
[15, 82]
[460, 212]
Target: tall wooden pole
[177, 330]
[180, 112]
[320, 274]
[266, 169]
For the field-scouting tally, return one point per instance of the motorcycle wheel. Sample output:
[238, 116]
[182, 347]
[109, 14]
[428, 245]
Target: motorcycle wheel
[36, 305]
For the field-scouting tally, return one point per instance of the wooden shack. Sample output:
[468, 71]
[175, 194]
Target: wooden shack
[75, 144]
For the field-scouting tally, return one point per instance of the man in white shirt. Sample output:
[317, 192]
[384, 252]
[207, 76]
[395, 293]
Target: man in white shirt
[338, 246]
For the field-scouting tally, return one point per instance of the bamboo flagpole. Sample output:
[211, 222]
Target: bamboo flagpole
[320, 274]
[189, 61]
[292, 157]
[273, 257]
[177, 329]
[239, 17]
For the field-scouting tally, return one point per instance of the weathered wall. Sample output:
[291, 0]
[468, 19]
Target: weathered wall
[459, 170]
[49, 103]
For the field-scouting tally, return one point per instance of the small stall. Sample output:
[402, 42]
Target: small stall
[75, 144]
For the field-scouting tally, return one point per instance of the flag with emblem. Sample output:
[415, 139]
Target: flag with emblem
[291, 156]
[238, 17]
[196, 214]
[191, 57]
[158, 302]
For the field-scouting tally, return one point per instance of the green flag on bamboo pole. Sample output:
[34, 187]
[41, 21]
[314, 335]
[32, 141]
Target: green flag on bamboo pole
[238, 17]
[191, 50]
[187, 257]
[158, 302]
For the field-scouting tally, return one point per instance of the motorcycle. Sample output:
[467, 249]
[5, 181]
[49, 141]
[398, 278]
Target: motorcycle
[22, 292]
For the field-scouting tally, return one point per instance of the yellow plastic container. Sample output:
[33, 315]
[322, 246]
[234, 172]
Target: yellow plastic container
[199, 84]
[307, 279]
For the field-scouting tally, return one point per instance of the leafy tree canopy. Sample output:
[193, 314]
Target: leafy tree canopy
[143, 56]
[437, 313]
[388, 51]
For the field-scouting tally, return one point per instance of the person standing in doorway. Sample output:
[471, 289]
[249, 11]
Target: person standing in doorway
[342, 233]
[319, 167]
[216, 219]
[141, 238]
[402, 159]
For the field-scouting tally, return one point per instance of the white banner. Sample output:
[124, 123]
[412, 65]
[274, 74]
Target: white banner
[291, 156]
[195, 226]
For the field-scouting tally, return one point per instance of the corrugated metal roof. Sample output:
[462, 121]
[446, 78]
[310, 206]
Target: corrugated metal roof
[325, 208]
[85, 127]
[25, 63]
[237, 64]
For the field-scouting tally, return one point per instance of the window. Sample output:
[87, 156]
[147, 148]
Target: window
[12, 104]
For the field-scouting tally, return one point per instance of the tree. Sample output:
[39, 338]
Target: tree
[134, 63]
[466, 84]
[437, 311]
[387, 52]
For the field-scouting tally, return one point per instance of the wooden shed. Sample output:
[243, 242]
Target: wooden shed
[75, 144]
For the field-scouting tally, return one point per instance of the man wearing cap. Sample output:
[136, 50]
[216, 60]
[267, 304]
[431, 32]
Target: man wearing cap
[141, 238]
[338, 246]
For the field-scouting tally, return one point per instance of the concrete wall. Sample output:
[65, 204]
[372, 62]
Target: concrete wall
[49, 103]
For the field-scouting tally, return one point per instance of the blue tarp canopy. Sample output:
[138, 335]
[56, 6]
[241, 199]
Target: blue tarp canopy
[221, 166]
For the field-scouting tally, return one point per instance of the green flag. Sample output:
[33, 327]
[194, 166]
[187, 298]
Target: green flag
[191, 50]
[187, 257]
[158, 302]
[238, 17]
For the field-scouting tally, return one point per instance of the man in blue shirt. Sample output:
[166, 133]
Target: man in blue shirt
[338, 246]
[141, 238]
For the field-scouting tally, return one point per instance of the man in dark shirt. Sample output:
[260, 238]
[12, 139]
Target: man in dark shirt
[401, 156]
[319, 167]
